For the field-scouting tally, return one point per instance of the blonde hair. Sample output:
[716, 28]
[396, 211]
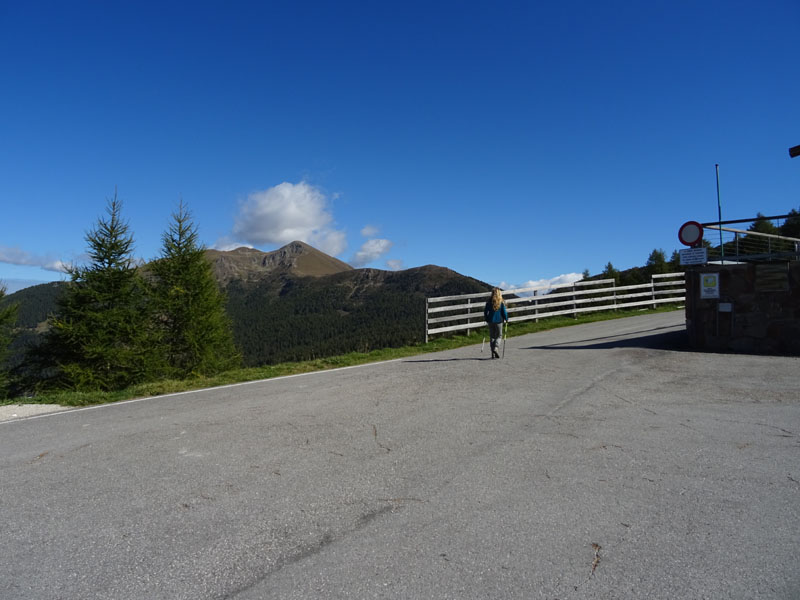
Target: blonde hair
[497, 298]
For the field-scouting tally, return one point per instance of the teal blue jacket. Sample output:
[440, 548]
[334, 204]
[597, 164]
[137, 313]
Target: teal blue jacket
[495, 316]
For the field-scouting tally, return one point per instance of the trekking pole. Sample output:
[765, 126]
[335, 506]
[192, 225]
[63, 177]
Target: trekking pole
[482, 343]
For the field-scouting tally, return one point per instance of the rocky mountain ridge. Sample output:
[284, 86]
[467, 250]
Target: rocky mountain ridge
[296, 258]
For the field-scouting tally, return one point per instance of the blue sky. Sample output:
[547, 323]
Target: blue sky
[512, 142]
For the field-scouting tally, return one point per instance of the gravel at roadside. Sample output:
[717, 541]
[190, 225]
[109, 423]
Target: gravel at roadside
[21, 411]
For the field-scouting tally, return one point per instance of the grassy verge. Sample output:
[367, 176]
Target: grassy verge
[159, 388]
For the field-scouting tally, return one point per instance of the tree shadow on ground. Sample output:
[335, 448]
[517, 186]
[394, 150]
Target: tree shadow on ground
[675, 340]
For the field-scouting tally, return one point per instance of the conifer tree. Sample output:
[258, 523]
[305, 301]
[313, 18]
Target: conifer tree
[657, 262]
[757, 244]
[8, 317]
[791, 227]
[195, 331]
[609, 272]
[101, 336]
[675, 261]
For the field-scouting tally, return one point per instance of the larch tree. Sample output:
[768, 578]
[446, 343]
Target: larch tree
[194, 329]
[101, 337]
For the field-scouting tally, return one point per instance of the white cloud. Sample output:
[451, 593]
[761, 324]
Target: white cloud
[394, 265]
[58, 266]
[288, 212]
[565, 279]
[226, 243]
[370, 250]
[17, 256]
[330, 241]
[369, 231]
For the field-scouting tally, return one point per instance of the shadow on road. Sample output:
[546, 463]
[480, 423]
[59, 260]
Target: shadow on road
[428, 360]
[673, 339]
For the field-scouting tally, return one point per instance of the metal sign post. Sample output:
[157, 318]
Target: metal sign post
[719, 211]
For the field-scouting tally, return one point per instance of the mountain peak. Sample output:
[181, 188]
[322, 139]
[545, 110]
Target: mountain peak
[295, 258]
[298, 247]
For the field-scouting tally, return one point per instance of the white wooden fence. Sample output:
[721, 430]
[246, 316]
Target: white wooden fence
[465, 312]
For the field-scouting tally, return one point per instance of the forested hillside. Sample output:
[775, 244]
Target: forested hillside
[360, 310]
[279, 316]
[36, 303]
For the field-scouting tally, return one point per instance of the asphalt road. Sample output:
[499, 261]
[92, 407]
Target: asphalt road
[442, 476]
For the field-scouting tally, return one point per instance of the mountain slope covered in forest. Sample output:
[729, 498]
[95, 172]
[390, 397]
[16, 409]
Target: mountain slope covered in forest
[296, 303]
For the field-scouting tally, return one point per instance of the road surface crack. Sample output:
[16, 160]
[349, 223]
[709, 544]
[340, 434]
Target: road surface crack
[375, 435]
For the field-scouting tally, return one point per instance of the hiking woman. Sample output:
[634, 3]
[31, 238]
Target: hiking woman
[495, 314]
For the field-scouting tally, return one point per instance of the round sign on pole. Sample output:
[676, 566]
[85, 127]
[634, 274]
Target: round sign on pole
[690, 233]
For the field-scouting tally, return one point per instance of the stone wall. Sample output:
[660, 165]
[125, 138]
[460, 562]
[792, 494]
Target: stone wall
[758, 309]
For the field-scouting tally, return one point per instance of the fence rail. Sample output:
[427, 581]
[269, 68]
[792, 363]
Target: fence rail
[772, 242]
[465, 311]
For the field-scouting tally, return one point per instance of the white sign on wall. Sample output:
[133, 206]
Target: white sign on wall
[709, 286]
[693, 256]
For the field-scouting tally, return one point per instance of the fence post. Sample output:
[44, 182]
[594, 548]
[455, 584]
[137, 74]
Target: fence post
[426, 320]
[653, 289]
[574, 303]
[469, 312]
[536, 305]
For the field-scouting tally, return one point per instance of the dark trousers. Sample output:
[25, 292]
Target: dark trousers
[495, 333]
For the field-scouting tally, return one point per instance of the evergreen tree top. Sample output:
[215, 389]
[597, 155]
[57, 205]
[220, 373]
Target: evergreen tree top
[181, 238]
[110, 241]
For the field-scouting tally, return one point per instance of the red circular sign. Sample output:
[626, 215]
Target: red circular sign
[690, 233]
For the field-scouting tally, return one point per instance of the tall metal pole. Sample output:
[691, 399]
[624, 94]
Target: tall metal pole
[719, 214]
